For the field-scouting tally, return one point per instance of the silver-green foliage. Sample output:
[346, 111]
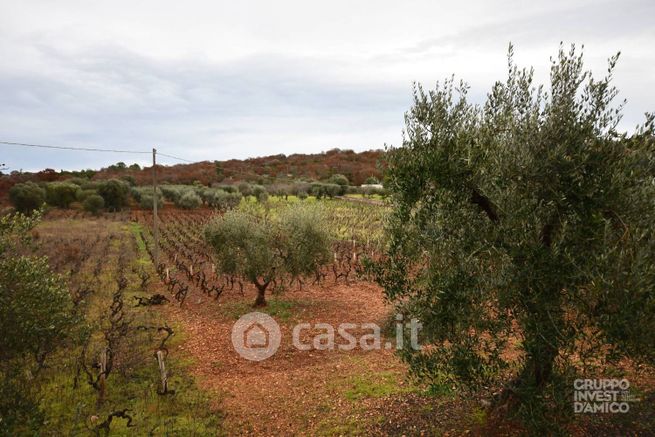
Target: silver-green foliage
[36, 316]
[261, 249]
[529, 217]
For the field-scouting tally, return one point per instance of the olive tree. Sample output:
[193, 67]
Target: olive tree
[61, 194]
[262, 250]
[27, 197]
[94, 203]
[115, 192]
[36, 315]
[529, 221]
[189, 200]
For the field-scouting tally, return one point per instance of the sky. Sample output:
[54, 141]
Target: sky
[217, 80]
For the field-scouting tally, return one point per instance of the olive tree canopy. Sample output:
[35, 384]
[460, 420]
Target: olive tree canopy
[523, 224]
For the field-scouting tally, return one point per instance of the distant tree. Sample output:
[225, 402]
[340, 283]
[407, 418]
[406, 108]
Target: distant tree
[262, 197]
[94, 203]
[302, 195]
[135, 167]
[220, 172]
[115, 193]
[371, 180]
[262, 250]
[527, 218]
[339, 179]
[260, 193]
[245, 189]
[189, 200]
[61, 194]
[27, 197]
[129, 179]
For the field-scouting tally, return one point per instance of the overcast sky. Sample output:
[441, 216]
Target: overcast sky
[209, 80]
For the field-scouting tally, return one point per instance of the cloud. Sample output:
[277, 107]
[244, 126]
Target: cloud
[251, 106]
[220, 81]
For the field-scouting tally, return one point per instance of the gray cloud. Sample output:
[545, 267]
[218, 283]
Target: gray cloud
[231, 83]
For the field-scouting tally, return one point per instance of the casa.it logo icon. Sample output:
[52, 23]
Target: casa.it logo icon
[256, 336]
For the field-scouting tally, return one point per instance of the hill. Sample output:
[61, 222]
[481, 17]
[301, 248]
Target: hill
[267, 169]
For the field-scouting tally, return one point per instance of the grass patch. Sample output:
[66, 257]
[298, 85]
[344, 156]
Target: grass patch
[376, 385]
[280, 309]
[136, 229]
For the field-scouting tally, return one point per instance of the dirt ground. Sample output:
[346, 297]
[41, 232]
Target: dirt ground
[329, 392]
[293, 392]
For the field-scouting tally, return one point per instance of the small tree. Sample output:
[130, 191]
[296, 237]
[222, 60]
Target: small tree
[94, 203]
[245, 189]
[189, 200]
[528, 218]
[261, 250]
[115, 193]
[61, 194]
[371, 180]
[27, 197]
[339, 179]
[36, 316]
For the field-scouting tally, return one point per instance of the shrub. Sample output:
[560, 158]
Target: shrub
[27, 197]
[144, 197]
[228, 188]
[339, 179]
[36, 316]
[529, 217]
[371, 180]
[81, 195]
[61, 194]
[221, 200]
[262, 196]
[189, 200]
[302, 195]
[115, 193]
[245, 189]
[94, 203]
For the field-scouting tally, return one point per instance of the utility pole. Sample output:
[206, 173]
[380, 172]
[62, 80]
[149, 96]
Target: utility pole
[155, 200]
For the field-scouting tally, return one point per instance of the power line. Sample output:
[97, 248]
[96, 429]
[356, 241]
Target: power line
[91, 149]
[174, 157]
[85, 149]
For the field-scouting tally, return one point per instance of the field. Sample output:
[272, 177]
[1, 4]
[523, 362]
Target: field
[183, 311]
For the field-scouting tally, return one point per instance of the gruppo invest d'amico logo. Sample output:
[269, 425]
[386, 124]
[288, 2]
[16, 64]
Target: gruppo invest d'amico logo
[256, 336]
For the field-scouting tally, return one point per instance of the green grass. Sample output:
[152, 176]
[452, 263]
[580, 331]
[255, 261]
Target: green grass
[133, 383]
[136, 229]
[280, 309]
[375, 385]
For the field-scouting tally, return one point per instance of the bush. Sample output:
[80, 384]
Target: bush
[245, 189]
[536, 221]
[115, 193]
[81, 195]
[94, 203]
[36, 316]
[27, 197]
[371, 180]
[228, 188]
[189, 200]
[61, 194]
[302, 195]
[262, 196]
[143, 196]
[219, 199]
[339, 179]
